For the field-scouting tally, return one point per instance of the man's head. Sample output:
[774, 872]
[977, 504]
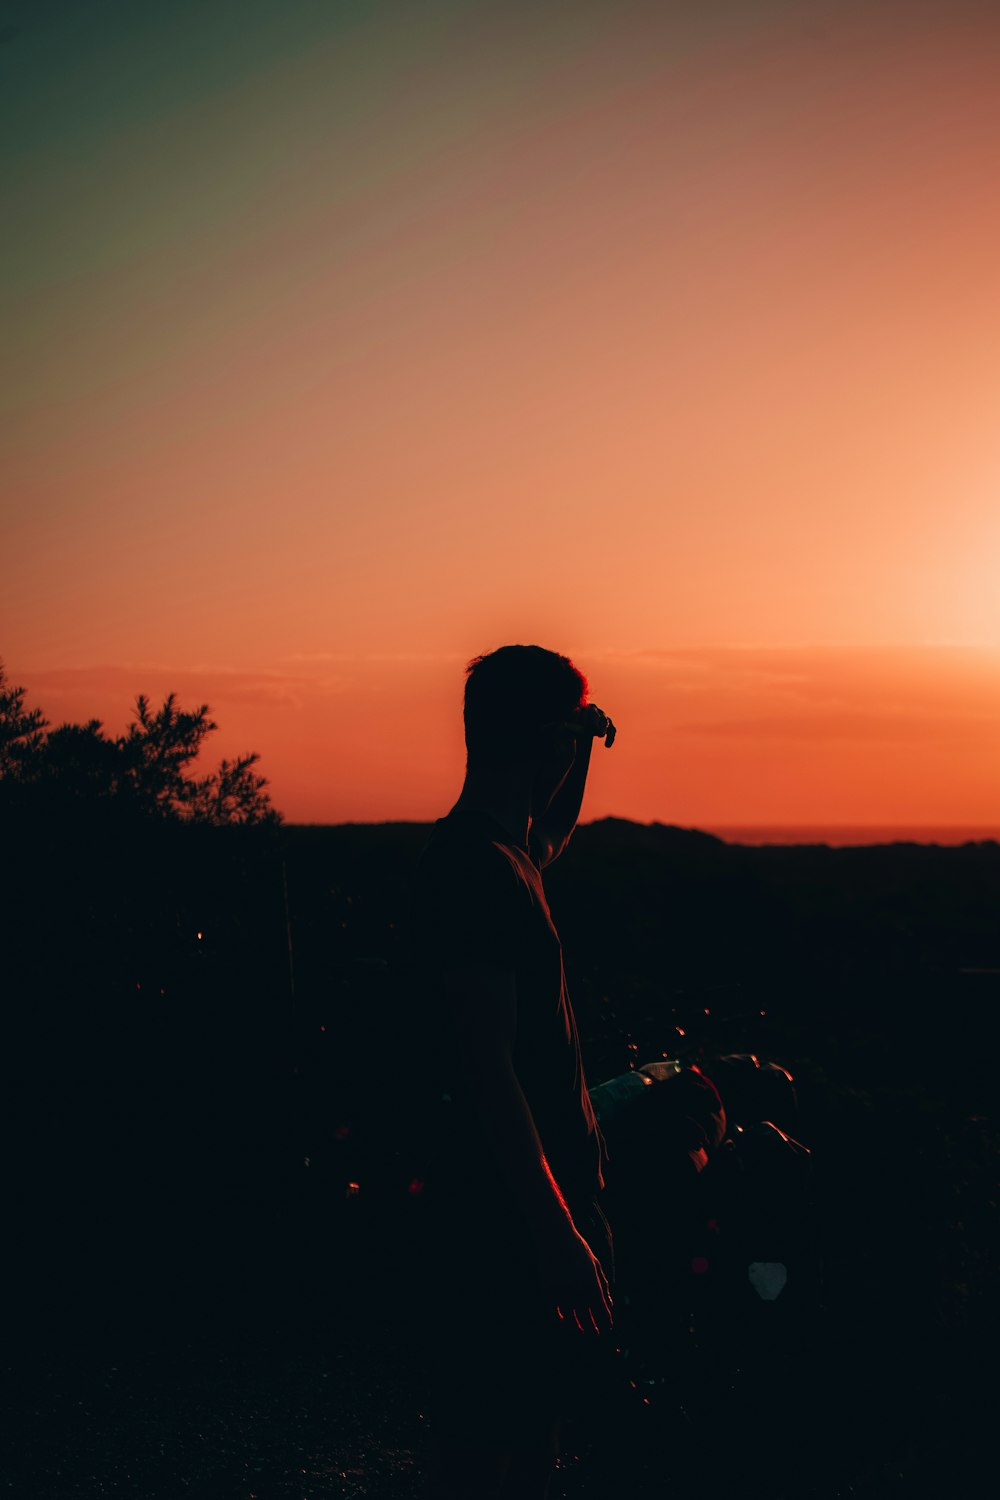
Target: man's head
[516, 700]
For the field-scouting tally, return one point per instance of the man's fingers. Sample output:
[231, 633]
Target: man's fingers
[592, 721]
[587, 1318]
[606, 1295]
[600, 1317]
[605, 1283]
[585, 1321]
[599, 724]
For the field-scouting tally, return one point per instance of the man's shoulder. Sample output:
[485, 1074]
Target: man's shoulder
[469, 901]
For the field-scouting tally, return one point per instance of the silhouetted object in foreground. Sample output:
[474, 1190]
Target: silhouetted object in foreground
[711, 1200]
[519, 1254]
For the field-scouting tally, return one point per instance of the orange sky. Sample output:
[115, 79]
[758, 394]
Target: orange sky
[354, 341]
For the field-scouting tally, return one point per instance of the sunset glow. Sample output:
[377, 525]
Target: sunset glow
[345, 342]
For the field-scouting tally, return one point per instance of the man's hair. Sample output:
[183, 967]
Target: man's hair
[511, 694]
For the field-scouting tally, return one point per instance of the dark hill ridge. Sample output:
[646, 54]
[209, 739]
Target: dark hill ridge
[667, 835]
[662, 835]
[667, 932]
[664, 896]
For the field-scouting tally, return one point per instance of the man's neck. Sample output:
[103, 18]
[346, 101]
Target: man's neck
[504, 798]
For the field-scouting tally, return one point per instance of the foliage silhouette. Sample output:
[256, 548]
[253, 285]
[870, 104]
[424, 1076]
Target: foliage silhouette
[148, 770]
[22, 731]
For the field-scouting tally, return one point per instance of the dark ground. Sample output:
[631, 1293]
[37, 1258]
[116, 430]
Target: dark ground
[197, 1312]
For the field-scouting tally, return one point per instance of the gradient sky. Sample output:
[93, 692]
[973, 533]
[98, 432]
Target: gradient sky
[345, 341]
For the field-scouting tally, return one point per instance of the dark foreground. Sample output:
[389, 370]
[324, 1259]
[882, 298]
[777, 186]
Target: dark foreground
[196, 1311]
[292, 1375]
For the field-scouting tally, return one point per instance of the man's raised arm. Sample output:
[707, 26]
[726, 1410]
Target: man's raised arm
[551, 832]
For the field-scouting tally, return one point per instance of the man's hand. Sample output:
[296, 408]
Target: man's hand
[579, 1288]
[594, 722]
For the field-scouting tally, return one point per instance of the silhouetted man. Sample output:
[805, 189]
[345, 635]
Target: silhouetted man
[516, 1288]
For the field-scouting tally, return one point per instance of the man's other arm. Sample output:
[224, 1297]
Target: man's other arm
[482, 1006]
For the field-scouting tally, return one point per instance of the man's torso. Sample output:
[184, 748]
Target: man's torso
[479, 900]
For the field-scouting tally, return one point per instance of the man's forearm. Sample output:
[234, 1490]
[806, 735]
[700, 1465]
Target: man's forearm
[564, 809]
[514, 1141]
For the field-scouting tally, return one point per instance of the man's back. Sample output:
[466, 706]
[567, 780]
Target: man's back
[480, 902]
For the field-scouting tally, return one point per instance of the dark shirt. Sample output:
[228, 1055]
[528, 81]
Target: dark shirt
[479, 900]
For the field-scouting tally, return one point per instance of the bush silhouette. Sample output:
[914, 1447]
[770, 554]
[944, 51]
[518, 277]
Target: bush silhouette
[150, 769]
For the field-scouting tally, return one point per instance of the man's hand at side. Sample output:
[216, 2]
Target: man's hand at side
[577, 1284]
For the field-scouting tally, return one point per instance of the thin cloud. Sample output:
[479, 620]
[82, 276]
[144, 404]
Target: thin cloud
[364, 657]
[811, 694]
[215, 686]
[886, 727]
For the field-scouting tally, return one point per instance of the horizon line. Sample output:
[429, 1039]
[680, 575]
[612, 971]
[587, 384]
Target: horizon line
[704, 827]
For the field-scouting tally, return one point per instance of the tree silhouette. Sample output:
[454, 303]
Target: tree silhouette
[233, 794]
[77, 761]
[22, 731]
[149, 768]
[157, 750]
